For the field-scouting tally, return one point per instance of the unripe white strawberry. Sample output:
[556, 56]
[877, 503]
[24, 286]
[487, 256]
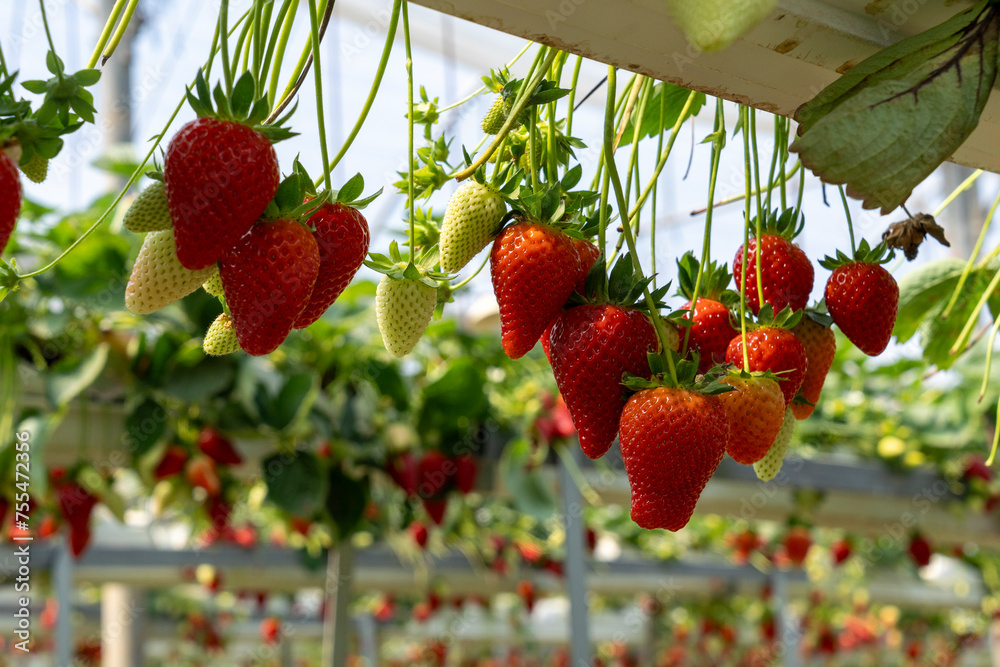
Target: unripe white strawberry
[220, 339]
[213, 285]
[403, 308]
[769, 466]
[37, 168]
[158, 279]
[148, 212]
[712, 25]
[470, 223]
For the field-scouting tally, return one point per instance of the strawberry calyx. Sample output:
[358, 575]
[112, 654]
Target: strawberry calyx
[557, 206]
[880, 254]
[398, 268]
[786, 224]
[715, 278]
[241, 107]
[687, 375]
[624, 287]
[785, 319]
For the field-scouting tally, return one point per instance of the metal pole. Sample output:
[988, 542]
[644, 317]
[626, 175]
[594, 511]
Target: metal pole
[339, 570]
[368, 639]
[121, 614]
[62, 575]
[787, 620]
[285, 652]
[575, 566]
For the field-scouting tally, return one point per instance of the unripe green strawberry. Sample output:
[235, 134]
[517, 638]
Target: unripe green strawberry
[149, 211]
[213, 285]
[470, 223]
[220, 339]
[712, 25]
[495, 117]
[158, 279]
[36, 169]
[403, 308]
[769, 466]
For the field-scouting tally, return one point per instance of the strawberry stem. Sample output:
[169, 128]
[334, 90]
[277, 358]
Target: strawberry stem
[227, 72]
[386, 50]
[965, 185]
[321, 117]
[532, 138]
[850, 223]
[116, 39]
[279, 40]
[718, 143]
[746, 245]
[572, 96]
[109, 26]
[963, 338]
[972, 258]
[996, 439]
[756, 160]
[989, 360]
[409, 103]
[612, 172]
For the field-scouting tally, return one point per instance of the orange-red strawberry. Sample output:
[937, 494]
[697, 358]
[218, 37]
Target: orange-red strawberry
[201, 472]
[797, 542]
[820, 345]
[220, 175]
[535, 269]
[711, 326]
[591, 347]
[343, 237]
[776, 350]
[786, 272]
[11, 195]
[173, 462]
[756, 410]
[268, 277]
[863, 297]
[218, 447]
[672, 441]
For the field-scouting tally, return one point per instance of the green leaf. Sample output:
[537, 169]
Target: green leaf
[346, 499]
[529, 492]
[37, 87]
[571, 178]
[923, 289]
[145, 426]
[295, 482]
[454, 403]
[54, 63]
[902, 126]
[295, 398]
[243, 96]
[87, 77]
[63, 386]
[671, 100]
[198, 383]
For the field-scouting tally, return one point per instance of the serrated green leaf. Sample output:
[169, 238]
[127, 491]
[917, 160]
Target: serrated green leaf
[352, 189]
[35, 86]
[87, 77]
[54, 63]
[571, 178]
[670, 99]
[922, 290]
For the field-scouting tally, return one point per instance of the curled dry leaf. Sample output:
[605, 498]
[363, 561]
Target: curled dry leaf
[909, 234]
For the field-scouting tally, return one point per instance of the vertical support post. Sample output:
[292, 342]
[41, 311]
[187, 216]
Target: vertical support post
[339, 571]
[575, 564]
[62, 575]
[368, 639]
[285, 652]
[788, 621]
[121, 621]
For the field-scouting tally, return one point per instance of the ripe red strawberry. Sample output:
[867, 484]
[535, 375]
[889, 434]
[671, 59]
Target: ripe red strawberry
[797, 542]
[672, 441]
[300, 524]
[711, 328]
[554, 422]
[173, 462]
[776, 350]
[529, 551]
[820, 345]
[418, 531]
[268, 277]
[526, 591]
[786, 273]
[402, 469]
[218, 514]
[466, 470]
[920, 550]
[840, 551]
[436, 509]
[421, 612]
[220, 176]
[863, 297]
[434, 475]
[744, 544]
[201, 472]
[591, 347]
[342, 236]
[218, 447]
[385, 610]
[588, 253]
[270, 630]
[76, 504]
[11, 195]
[535, 269]
[245, 536]
[755, 409]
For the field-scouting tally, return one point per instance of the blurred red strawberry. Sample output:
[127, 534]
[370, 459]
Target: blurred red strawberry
[270, 630]
[218, 447]
[173, 461]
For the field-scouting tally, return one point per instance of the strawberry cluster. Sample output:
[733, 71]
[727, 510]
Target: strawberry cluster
[431, 479]
[220, 217]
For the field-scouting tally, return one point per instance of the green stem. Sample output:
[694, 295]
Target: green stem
[989, 358]
[477, 272]
[612, 169]
[774, 162]
[996, 439]
[227, 72]
[741, 197]
[536, 184]
[109, 26]
[850, 223]
[386, 50]
[244, 44]
[520, 102]
[746, 245]
[652, 224]
[963, 338]
[48, 34]
[720, 127]
[259, 43]
[756, 160]
[965, 185]
[572, 96]
[972, 258]
[636, 132]
[116, 39]
[482, 89]
[279, 51]
[784, 124]
[409, 102]
[318, 74]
